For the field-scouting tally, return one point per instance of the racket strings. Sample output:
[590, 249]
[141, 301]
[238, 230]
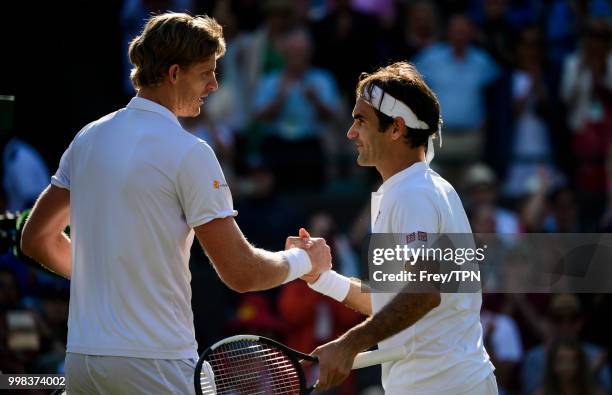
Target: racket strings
[248, 368]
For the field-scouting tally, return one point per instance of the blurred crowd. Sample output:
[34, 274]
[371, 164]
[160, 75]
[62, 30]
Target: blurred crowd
[525, 88]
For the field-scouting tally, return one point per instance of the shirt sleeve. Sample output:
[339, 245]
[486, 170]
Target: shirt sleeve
[61, 178]
[414, 212]
[201, 187]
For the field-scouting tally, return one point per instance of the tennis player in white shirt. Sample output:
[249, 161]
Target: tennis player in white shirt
[135, 188]
[396, 116]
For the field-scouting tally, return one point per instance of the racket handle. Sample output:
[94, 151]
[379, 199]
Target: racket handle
[377, 357]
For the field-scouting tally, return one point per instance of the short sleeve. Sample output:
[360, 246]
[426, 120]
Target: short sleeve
[202, 190]
[61, 178]
[414, 212]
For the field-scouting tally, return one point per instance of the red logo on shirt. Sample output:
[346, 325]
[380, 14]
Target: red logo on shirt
[422, 236]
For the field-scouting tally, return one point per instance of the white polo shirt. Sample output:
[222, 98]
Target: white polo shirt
[138, 185]
[446, 352]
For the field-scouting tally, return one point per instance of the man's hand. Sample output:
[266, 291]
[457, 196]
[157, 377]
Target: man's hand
[318, 251]
[335, 362]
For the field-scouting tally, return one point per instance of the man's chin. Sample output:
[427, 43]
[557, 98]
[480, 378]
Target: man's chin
[363, 162]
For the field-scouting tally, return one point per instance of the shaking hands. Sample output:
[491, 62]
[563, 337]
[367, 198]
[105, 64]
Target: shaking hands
[318, 251]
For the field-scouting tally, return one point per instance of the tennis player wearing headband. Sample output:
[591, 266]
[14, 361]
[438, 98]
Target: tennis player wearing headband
[135, 188]
[396, 117]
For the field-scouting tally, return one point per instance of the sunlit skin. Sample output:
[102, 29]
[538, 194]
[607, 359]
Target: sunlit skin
[388, 152]
[184, 88]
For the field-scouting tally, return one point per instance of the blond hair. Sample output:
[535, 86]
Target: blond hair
[173, 38]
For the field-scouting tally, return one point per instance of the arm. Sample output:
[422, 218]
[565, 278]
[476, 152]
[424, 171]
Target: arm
[243, 267]
[331, 283]
[358, 300]
[336, 357]
[43, 236]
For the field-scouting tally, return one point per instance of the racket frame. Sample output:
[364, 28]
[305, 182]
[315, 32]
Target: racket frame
[293, 355]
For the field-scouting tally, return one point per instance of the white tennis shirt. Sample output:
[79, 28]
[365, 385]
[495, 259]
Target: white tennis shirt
[446, 352]
[138, 185]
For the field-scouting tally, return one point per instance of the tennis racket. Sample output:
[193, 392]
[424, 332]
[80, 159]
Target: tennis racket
[249, 365]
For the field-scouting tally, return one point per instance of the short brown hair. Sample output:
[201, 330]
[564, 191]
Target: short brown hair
[173, 38]
[402, 81]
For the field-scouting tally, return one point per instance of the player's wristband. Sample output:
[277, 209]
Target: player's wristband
[299, 263]
[332, 284]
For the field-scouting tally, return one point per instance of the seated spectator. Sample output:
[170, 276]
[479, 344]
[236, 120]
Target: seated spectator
[292, 107]
[567, 371]
[565, 322]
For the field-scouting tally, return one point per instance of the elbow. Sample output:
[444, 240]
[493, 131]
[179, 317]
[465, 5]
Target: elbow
[240, 284]
[27, 244]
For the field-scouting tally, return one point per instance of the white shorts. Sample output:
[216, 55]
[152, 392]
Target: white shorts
[97, 374]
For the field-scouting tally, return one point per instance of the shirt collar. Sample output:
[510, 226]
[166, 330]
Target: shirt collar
[140, 103]
[402, 175]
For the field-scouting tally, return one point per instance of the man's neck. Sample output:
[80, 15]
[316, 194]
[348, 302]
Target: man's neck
[155, 95]
[392, 167]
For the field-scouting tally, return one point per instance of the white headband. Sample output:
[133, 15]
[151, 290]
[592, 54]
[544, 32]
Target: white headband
[394, 108]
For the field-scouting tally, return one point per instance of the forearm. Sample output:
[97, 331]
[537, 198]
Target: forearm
[43, 236]
[258, 269]
[359, 299]
[267, 269]
[55, 254]
[402, 312]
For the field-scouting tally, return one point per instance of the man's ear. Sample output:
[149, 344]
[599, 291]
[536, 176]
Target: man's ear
[173, 73]
[398, 128]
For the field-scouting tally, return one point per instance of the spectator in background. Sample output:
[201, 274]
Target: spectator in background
[417, 30]
[531, 147]
[503, 343]
[25, 174]
[260, 199]
[497, 34]
[216, 133]
[563, 217]
[566, 319]
[480, 186]
[346, 44]
[568, 372]
[293, 106]
[346, 261]
[458, 72]
[254, 315]
[250, 56]
[587, 91]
